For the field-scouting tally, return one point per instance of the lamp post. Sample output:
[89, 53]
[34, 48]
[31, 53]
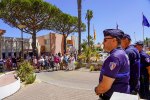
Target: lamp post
[22, 27]
[1, 33]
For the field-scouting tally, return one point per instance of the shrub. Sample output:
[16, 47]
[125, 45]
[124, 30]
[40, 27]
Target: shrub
[148, 52]
[26, 72]
[77, 65]
[30, 79]
[92, 68]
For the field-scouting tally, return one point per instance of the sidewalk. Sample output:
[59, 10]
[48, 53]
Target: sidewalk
[84, 80]
[51, 86]
[60, 85]
[8, 84]
[7, 78]
[45, 91]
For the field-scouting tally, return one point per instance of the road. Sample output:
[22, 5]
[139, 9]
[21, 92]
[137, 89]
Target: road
[60, 85]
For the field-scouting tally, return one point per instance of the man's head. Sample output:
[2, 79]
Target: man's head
[139, 45]
[125, 41]
[112, 38]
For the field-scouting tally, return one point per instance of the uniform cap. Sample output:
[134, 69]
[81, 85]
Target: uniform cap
[127, 36]
[114, 33]
[139, 43]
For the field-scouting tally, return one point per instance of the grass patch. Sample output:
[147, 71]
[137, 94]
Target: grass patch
[1, 73]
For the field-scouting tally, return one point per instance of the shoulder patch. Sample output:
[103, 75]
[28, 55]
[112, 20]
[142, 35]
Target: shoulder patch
[112, 65]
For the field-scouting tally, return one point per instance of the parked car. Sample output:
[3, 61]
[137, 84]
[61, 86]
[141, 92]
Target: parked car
[103, 56]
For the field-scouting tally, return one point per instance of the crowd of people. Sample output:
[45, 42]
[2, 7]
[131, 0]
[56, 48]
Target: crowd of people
[43, 62]
[54, 62]
[126, 69]
[9, 63]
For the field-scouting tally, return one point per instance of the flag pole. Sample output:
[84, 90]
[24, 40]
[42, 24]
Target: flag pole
[117, 25]
[143, 33]
[144, 23]
[143, 38]
[94, 32]
[134, 37]
[143, 28]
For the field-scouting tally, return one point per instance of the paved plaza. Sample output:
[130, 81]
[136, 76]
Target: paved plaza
[60, 85]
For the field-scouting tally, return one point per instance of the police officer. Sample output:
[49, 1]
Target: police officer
[114, 76]
[134, 58]
[145, 71]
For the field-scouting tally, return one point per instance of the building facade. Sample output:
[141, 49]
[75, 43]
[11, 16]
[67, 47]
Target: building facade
[50, 43]
[54, 43]
[12, 47]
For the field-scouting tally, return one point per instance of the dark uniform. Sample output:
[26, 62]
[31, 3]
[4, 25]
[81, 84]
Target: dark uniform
[134, 58]
[116, 66]
[144, 76]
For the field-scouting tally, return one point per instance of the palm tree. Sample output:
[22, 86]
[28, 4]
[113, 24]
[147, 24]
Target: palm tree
[89, 16]
[146, 41]
[89, 53]
[79, 24]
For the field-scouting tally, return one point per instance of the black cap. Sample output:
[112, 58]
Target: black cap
[127, 36]
[114, 33]
[139, 43]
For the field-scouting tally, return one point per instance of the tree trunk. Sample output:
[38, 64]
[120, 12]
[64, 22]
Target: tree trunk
[34, 48]
[79, 25]
[88, 32]
[64, 43]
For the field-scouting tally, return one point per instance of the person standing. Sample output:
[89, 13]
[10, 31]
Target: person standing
[114, 76]
[14, 62]
[57, 60]
[35, 61]
[65, 61]
[52, 61]
[145, 71]
[1, 65]
[71, 65]
[134, 58]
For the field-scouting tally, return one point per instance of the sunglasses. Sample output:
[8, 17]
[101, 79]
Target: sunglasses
[105, 39]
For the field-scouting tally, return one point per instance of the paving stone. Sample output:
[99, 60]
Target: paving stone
[45, 91]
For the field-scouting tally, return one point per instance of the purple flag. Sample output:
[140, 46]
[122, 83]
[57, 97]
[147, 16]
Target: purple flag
[145, 21]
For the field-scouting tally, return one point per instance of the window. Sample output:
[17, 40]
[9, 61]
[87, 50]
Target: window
[47, 41]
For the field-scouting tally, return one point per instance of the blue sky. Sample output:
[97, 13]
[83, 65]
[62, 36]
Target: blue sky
[127, 13]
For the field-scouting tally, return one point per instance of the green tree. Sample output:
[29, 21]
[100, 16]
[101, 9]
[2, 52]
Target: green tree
[34, 14]
[147, 41]
[85, 42]
[89, 16]
[66, 24]
[88, 51]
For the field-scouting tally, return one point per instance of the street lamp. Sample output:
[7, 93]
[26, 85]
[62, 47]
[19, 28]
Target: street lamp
[1, 33]
[22, 27]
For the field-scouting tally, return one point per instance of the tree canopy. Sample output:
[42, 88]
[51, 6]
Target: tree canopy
[33, 14]
[66, 24]
[37, 15]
